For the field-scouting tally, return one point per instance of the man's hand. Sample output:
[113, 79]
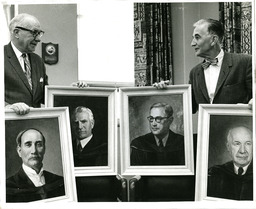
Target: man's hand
[19, 108]
[80, 84]
[161, 84]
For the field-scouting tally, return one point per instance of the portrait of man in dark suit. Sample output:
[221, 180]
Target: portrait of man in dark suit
[234, 179]
[88, 148]
[161, 146]
[31, 182]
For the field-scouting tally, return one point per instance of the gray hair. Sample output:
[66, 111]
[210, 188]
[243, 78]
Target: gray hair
[229, 133]
[167, 108]
[80, 109]
[214, 27]
[22, 21]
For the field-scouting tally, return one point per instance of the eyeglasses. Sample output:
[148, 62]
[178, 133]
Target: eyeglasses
[158, 119]
[35, 33]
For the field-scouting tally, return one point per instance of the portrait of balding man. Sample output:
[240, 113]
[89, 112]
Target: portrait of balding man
[31, 182]
[234, 179]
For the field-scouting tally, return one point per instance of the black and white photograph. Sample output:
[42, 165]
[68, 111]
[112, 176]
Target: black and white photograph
[128, 101]
[37, 153]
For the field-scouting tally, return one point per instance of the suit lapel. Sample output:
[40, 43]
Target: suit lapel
[224, 71]
[201, 83]
[23, 180]
[16, 66]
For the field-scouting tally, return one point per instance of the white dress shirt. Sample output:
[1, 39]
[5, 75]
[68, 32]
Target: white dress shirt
[19, 57]
[84, 141]
[37, 179]
[211, 75]
[244, 168]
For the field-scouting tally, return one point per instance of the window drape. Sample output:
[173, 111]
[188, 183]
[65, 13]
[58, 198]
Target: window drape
[237, 20]
[153, 43]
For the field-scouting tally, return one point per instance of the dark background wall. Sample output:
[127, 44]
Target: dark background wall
[219, 126]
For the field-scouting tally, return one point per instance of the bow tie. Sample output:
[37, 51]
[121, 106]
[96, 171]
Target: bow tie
[207, 63]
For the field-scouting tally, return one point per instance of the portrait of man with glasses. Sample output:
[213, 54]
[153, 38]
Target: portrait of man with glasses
[161, 146]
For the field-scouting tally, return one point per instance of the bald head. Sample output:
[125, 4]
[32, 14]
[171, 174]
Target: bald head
[31, 148]
[25, 31]
[23, 20]
[239, 145]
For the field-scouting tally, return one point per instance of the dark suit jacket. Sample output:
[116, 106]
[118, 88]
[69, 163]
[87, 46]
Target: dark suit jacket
[19, 188]
[234, 84]
[95, 153]
[144, 150]
[224, 183]
[16, 84]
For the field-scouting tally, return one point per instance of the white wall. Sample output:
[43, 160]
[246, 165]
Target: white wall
[105, 43]
[59, 21]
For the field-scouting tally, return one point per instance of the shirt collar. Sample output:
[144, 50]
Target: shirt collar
[220, 57]
[164, 140]
[31, 172]
[16, 51]
[84, 141]
[244, 168]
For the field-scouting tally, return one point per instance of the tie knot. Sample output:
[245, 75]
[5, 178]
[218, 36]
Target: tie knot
[160, 143]
[240, 171]
[207, 63]
[24, 55]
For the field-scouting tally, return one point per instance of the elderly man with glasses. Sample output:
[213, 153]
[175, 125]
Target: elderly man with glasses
[24, 71]
[161, 146]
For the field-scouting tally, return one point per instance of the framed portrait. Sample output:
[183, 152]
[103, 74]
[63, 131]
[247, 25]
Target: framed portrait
[148, 115]
[224, 147]
[92, 120]
[38, 157]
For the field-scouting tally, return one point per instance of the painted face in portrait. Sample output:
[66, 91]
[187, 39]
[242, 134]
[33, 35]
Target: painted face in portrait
[83, 125]
[32, 149]
[159, 122]
[240, 146]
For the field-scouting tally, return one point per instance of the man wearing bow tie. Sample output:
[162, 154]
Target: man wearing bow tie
[227, 81]
[234, 179]
[222, 78]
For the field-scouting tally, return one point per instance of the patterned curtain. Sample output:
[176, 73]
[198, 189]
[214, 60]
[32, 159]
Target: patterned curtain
[152, 43]
[237, 20]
